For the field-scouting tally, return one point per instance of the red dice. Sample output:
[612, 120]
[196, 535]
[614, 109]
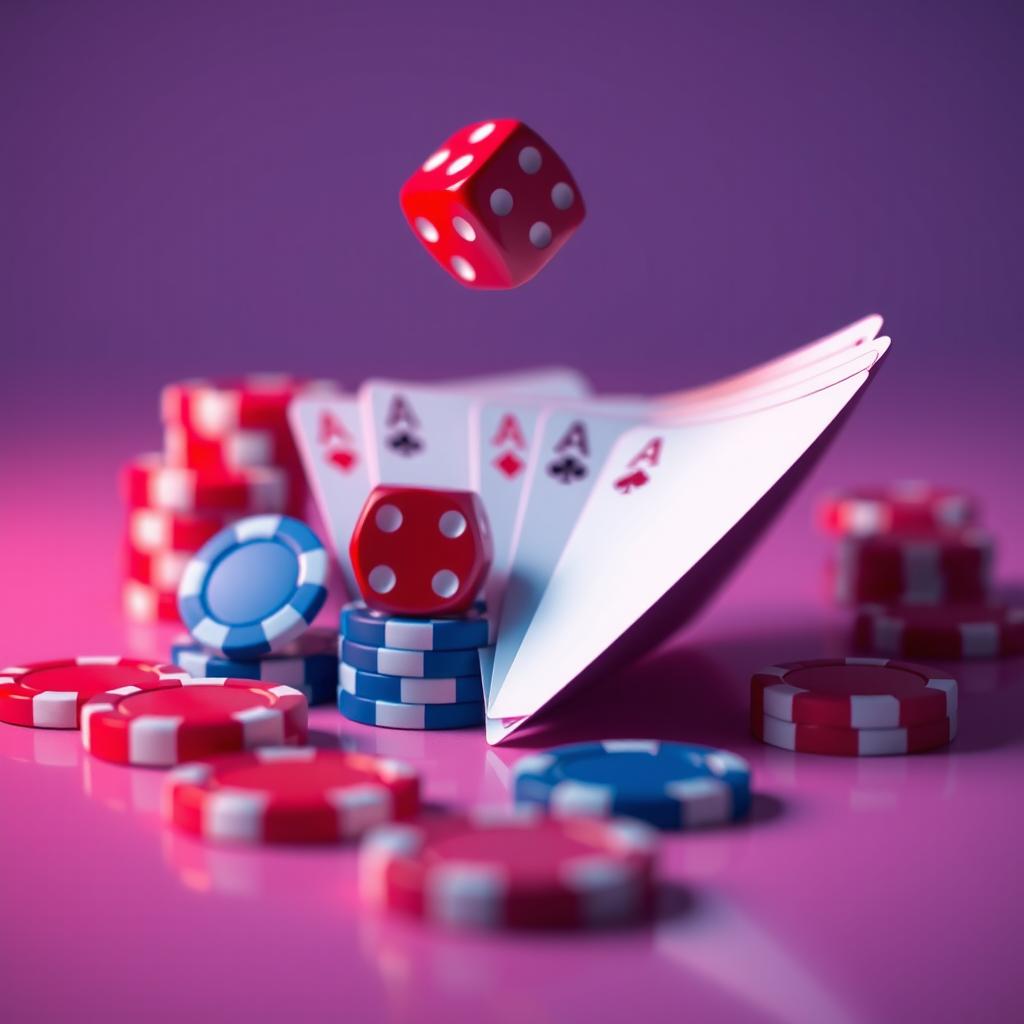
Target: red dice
[493, 204]
[416, 551]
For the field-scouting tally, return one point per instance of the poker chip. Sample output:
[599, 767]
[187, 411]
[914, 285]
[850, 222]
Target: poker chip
[156, 530]
[189, 719]
[820, 739]
[309, 663]
[236, 449]
[390, 715]
[511, 869]
[144, 603]
[670, 785]
[376, 629]
[50, 694]
[853, 693]
[948, 631]
[213, 408]
[149, 483]
[160, 569]
[255, 586]
[391, 661]
[406, 690]
[289, 795]
[909, 505]
[916, 568]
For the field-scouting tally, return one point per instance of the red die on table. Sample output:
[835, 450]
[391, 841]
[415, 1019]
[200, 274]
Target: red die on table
[417, 551]
[493, 204]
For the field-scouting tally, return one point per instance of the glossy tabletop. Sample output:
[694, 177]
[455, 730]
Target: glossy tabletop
[860, 890]
[211, 188]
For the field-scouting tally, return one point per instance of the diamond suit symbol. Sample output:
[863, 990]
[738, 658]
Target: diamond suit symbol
[510, 464]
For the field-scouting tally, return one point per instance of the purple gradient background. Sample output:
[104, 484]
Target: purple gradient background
[200, 188]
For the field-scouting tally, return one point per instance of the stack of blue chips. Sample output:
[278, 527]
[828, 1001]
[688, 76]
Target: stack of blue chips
[309, 663]
[411, 673]
[248, 597]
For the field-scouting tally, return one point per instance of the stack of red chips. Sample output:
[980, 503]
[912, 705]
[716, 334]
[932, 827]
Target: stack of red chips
[228, 453]
[908, 543]
[913, 560]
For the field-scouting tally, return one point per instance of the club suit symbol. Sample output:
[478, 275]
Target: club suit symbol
[405, 443]
[568, 469]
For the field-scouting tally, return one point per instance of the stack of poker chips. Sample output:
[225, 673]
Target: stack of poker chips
[853, 707]
[403, 672]
[248, 598]
[908, 543]
[228, 453]
[915, 563]
[309, 664]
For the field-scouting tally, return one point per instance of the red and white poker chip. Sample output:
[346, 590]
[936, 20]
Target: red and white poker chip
[50, 694]
[159, 569]
[213, 408]
[992, 630]
[820, 739]
[148, 482]
[916, 568]
[154, 529]
[142, 602]
[909, 505]
[289, 795]
[853, 693]
[237, 449]
[189, 719]
[511, 869]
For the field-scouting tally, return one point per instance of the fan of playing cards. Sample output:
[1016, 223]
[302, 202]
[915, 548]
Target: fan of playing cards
[613, 517]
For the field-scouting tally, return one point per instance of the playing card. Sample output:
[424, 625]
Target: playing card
[501, 435]
[501, 441]
[785, 389]
[336, 456]
[329, 435]
[418, 434]
[759, 384]
[570, 446]
[665, 497]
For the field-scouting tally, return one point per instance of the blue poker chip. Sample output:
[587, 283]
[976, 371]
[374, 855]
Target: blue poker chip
[390, 661]
[254, 586]
[670, 785]
[389, 715]
[309, 663]
[377, 629]
[406, 690]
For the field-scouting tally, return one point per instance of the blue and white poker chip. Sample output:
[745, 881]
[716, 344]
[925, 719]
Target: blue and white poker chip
[670, 785]
[389, 715]
[309, 663]
[254, 586]
[406, 690]
[390, 661]
[365, 626]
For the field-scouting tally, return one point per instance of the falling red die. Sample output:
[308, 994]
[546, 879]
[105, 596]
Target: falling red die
[493, 204]
[417, 551]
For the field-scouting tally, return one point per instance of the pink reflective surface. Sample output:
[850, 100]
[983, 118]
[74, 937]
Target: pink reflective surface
[861, 891]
